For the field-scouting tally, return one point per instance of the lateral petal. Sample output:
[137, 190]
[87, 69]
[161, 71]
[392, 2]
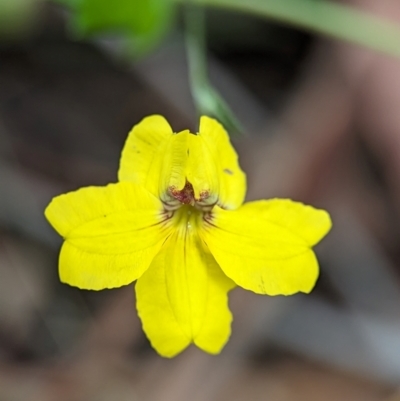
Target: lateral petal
[111, 234]
[307, 222]
[265, 246]
[182, 297]
[219, 155]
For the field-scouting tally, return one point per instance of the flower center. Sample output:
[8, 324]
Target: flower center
[175, 198]
[185, 195]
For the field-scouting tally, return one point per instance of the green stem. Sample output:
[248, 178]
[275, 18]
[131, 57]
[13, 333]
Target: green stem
[322, 16]
[195, 46]
[207, 100]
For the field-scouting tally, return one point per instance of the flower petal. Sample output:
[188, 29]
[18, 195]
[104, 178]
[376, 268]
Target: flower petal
[214, 159]
[111, 234]
[173, 168]
[143, 150]
[153, 154]
[265, 246]
[202, 170]
[182, 297]
[163, 161]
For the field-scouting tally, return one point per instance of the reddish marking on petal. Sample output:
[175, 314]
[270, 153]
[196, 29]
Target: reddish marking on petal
[204, 195]
[185, 195]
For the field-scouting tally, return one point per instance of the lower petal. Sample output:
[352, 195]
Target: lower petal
[216, 330]
[182, 297]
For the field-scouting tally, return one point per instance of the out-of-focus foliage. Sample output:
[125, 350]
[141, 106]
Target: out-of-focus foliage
[325, 17]
[18, 17]
[143, 22]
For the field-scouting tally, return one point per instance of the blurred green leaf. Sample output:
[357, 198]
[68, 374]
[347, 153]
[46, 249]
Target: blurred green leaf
[144, 22]
[68, 3]
[326, 17]
[18, 18]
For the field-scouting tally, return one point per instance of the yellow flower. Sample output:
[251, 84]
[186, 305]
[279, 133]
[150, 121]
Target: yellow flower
[175, 223]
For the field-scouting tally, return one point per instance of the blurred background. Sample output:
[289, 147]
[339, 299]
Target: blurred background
[310, 92]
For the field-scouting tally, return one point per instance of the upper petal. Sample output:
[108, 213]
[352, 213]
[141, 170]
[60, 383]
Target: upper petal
[202, 170]
[265, 246]
[153, 155]
[143, 150]
[216, 160]
[182, 297]
[164, 162]
[111, 234]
